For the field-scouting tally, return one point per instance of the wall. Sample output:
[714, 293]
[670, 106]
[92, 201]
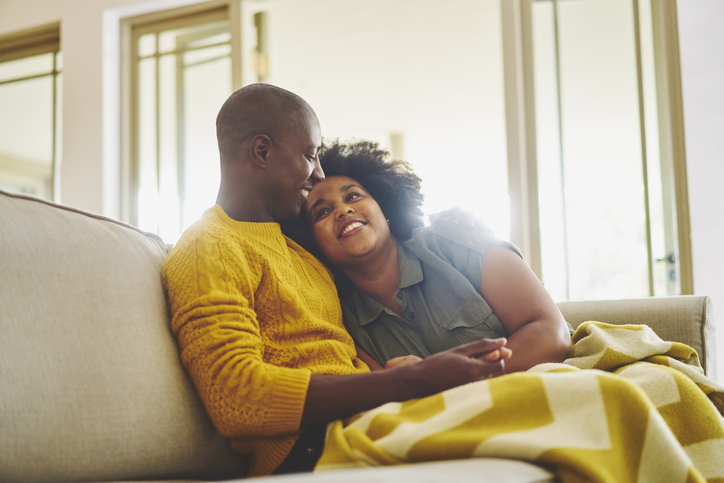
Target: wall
[701, 43]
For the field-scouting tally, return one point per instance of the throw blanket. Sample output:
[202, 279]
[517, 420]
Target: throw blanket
[626, 406]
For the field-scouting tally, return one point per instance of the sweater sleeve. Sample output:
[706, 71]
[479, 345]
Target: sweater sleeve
[211, 290]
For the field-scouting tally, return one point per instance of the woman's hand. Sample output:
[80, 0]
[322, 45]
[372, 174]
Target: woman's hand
[402, 361]
[500, 354]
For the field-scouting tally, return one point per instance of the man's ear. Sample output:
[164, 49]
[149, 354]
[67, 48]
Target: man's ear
[259, 150]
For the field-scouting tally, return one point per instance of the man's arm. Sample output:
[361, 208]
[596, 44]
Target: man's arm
[538, 332]
[334, 397]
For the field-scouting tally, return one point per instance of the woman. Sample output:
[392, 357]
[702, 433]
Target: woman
[407, 290]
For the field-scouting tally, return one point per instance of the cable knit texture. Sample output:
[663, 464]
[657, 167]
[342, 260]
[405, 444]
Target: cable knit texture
[255, 315]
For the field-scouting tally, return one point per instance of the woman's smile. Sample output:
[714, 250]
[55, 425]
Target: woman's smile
[351, 229]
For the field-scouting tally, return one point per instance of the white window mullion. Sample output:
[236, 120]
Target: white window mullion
[520, 128]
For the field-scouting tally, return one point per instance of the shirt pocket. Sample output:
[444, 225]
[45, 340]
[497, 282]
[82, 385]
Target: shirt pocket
[473, 321]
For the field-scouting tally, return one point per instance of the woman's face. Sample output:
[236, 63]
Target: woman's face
[346, 221]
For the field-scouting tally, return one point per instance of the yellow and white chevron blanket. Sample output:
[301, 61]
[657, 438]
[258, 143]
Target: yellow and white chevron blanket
[626, 406]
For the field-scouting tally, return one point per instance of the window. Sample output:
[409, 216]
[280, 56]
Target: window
[555, 121]
[30, 85]
[424, 79]
[181, 71]
[562, 158]
[606, 208]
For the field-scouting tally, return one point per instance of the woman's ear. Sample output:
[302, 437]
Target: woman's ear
[259, 150]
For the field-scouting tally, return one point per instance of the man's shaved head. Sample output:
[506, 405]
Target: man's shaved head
[259, 109]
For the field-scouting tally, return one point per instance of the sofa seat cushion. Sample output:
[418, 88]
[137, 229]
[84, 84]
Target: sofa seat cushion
[91, 386]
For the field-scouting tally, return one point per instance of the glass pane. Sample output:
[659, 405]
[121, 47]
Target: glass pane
[194, 36]
[550, 176]
[601, 165]
[26, 136]
[204, 55]
[176, 129]
[146, 45]
[421, 78]
[29, 66]
[223, 36]
[58, 135]
[147, 156]
[168, 143]
[206, 87]
[661, 201]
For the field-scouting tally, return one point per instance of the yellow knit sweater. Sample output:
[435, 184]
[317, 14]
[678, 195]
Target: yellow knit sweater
[255, 315]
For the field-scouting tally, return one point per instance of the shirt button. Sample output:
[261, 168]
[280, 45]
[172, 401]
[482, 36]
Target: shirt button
[410, 315]
[399, 295]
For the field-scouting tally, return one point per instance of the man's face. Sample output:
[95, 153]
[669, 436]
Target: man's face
[294, 169]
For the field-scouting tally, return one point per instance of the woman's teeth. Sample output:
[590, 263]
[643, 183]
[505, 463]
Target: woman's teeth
[305, 192]
[351, 226]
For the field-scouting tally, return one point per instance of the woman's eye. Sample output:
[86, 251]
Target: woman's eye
[353, 196]
[321, 213]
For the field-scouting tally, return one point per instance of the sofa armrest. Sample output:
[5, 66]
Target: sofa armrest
[685, 318]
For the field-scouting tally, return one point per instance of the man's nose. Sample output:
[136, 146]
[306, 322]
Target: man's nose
[317, 172]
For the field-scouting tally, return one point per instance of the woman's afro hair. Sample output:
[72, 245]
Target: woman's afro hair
[391, 182]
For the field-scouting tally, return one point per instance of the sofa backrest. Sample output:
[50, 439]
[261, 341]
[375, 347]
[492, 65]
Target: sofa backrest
[683, 318]
[91, 386]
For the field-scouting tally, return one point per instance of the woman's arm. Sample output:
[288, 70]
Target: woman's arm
[367, 359]
[537, 330]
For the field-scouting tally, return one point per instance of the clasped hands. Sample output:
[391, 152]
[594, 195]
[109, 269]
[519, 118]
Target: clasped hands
[477, 360]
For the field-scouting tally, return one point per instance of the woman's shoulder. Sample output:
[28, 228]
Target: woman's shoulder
[444, 236]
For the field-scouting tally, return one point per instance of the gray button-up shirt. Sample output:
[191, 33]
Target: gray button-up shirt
[440, 272]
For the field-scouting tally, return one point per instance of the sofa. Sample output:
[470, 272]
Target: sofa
[91, 386]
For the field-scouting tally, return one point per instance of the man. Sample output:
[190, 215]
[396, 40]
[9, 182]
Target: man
[257, 317]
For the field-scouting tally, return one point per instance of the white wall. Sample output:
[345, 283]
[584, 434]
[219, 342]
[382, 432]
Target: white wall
[89, 183]
[701, 40]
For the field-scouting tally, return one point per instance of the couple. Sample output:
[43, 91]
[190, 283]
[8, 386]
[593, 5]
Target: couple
[258, 318]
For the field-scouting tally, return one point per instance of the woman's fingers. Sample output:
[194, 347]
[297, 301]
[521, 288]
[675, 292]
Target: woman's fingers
[480, 347]
[503, 353]
[401, 361]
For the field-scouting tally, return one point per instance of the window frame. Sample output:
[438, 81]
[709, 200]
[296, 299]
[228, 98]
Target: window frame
[131, 28]
[44, 39]
[521, 131]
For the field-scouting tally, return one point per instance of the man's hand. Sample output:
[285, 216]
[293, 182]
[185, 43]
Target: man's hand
[333, 397]
[457, 366]
[493, 356]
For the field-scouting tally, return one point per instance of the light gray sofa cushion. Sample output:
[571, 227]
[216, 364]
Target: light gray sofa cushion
[687, 319]
[91, 387]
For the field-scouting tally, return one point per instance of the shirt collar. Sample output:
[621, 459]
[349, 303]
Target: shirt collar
[369, 309]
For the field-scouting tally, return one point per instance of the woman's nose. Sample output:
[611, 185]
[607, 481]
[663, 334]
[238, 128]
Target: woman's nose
[345, 211]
